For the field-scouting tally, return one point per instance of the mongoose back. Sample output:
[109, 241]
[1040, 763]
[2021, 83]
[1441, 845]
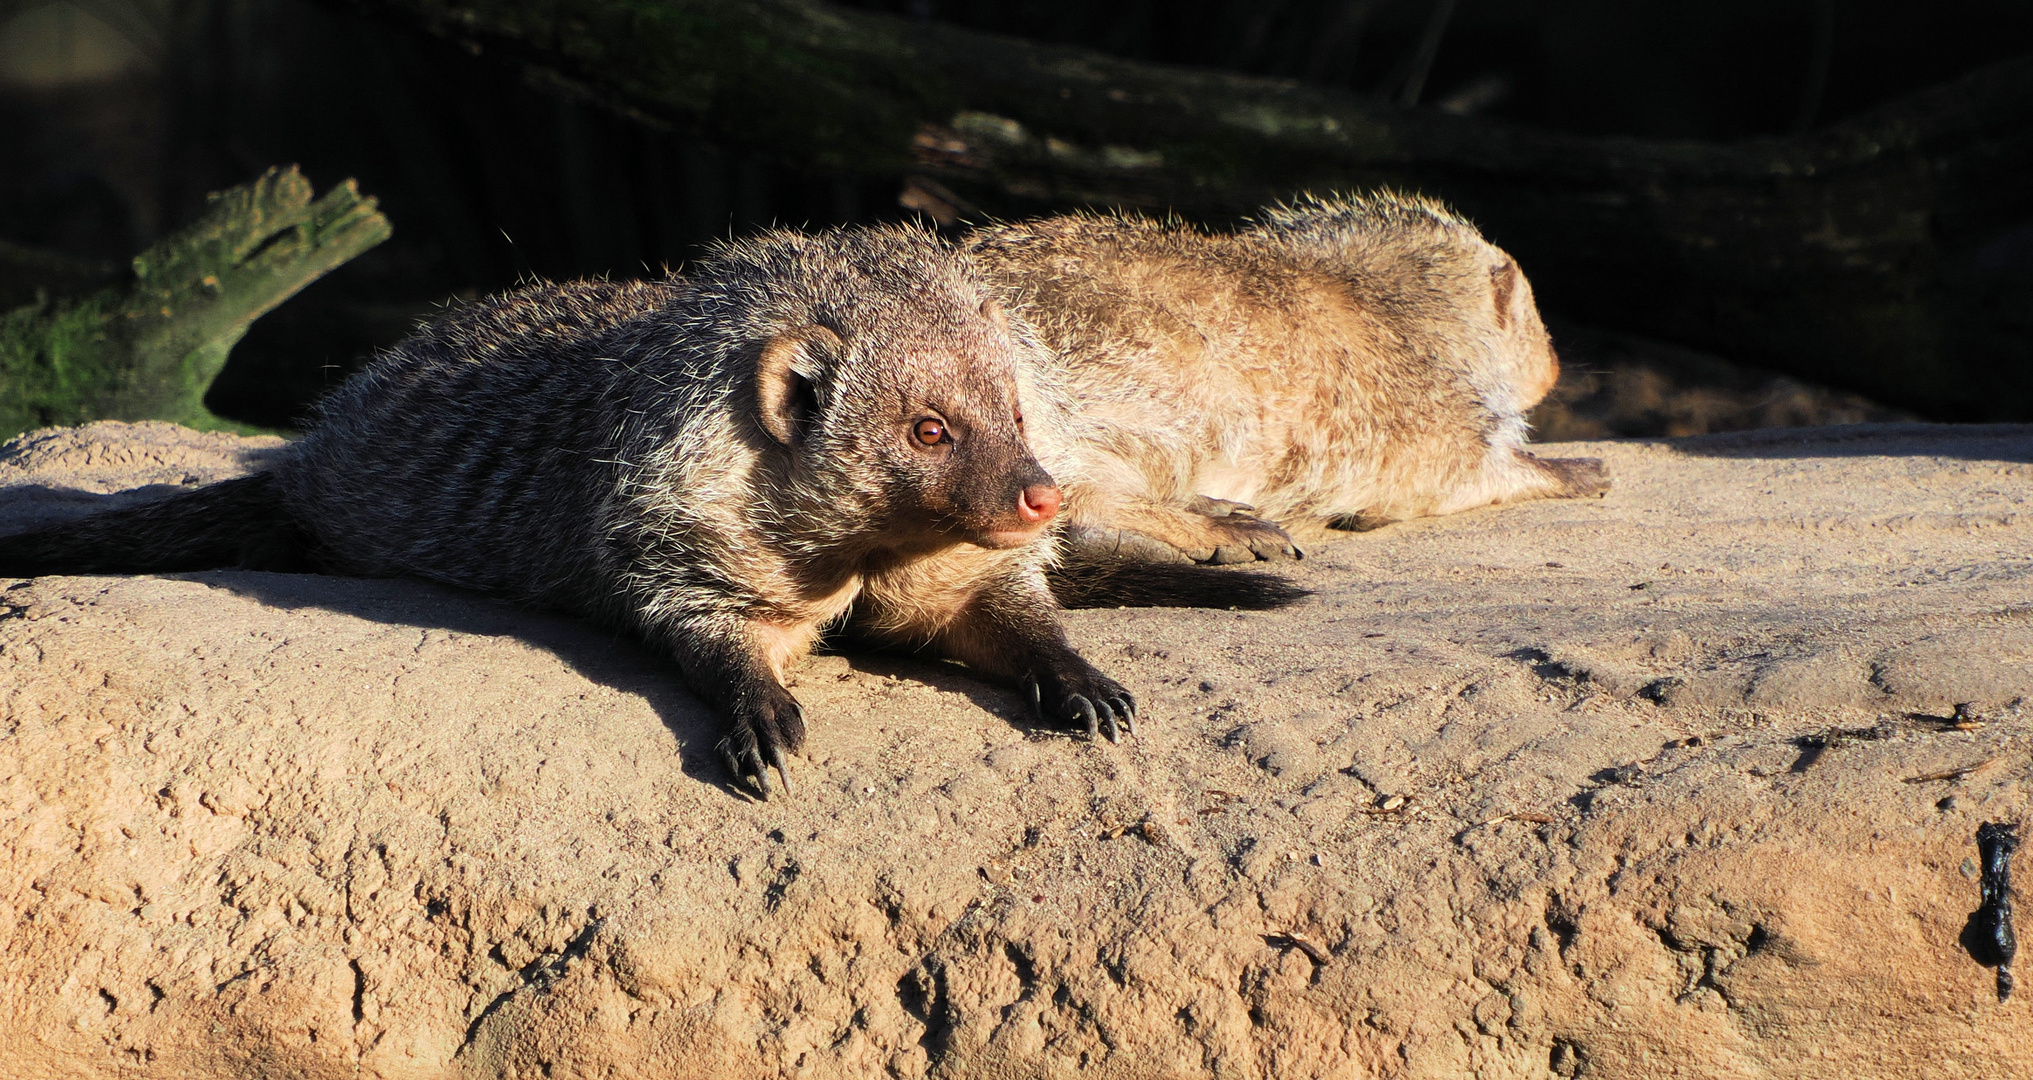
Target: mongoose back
[805, 429]
[1349, 361]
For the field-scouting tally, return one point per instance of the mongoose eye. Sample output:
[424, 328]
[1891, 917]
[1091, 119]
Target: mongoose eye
[930, 432]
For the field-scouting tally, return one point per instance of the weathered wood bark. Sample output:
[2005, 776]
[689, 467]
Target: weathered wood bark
[149, 348]
[1877, 254]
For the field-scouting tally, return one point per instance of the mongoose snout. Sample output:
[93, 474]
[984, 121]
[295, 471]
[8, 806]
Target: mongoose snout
[978, 482]
[1038, 504]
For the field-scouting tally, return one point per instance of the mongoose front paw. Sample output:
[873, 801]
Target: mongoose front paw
[767, 727]
[1085, 697]
[1252, 538]
[1232, 536]
[1238, 535]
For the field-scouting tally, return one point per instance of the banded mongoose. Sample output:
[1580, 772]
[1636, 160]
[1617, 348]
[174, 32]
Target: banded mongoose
[1346, 361]
[804, 429]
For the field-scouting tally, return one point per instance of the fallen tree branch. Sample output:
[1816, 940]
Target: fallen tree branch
[148, 349]
[1865, 254]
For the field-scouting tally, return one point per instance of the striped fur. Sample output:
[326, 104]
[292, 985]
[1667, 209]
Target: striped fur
[721, 464]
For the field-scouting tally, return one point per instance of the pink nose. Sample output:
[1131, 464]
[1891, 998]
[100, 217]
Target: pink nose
[1038, 503]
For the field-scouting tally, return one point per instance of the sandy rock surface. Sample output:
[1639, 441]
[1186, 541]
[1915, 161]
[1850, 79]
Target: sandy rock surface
[1667, 783]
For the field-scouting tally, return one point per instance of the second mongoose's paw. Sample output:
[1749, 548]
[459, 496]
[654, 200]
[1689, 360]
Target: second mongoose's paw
[1077, 694]
[1360, 521]
[767, 726]
[1203, 531]
[1236, 534]
[1109, 542]
[1579, 477]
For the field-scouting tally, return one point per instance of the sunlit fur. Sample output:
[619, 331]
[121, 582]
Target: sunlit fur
[593, 445]
[1364, 358]
[626, 451]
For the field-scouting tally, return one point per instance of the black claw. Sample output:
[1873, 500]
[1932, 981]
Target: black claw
[776, 757]
[1083, 710]
[1108, 726]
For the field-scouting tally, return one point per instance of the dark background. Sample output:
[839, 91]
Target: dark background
[117, 116]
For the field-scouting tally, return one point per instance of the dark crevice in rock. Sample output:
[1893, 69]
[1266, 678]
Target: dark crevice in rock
[1546, 667]
[1988, 935]
[1567, 1060]
[923, 994]
[773, 893]
[539, 974]
[1563, 927]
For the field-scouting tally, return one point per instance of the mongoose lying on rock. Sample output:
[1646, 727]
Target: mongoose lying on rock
[805, 428]
[1348, 361]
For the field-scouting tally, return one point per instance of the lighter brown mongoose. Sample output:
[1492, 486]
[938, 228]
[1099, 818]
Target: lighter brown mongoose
[804, 430]
[1353, 361]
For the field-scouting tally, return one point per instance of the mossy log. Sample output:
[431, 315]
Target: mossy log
[148, 348]
[1891, 253]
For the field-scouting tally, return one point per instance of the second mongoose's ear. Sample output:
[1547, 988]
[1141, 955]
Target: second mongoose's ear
[991, 309]
[1506, 291]
[785, 372]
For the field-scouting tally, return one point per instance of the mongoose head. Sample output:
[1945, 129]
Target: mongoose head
[1520, 342]
[887, 378]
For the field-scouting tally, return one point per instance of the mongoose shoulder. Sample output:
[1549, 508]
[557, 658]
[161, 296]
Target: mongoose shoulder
[1351, 361]
[806, 429]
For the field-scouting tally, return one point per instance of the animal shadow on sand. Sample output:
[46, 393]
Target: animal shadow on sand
[614, 660]
[1967, 442]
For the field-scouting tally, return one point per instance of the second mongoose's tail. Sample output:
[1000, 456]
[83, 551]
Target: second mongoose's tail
[1087, 580]
[239, 523]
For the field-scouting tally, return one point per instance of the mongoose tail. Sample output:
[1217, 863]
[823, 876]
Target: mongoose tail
[237, 523]
[1087, 580]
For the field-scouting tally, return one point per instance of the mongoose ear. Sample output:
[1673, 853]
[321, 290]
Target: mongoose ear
[991, 309]
[1504, 279]
[785, 372]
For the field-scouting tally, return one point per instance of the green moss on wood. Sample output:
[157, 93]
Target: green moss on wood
[149, 349]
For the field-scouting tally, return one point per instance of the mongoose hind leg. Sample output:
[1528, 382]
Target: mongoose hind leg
[1360, 521]
[1203, 530]
[1573, 478]
[1505, 479]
